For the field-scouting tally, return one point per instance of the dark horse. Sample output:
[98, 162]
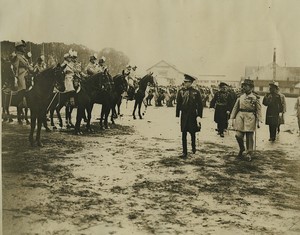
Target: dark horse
[120, 85]
[140, 94]
[11, 97]
[38, 98]
[96, 89]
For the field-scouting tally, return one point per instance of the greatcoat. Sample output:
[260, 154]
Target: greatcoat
[189, 103]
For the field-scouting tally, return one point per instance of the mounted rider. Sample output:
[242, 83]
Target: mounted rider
[132, 80]
[92, 67]
[40, 65]
[21, 66]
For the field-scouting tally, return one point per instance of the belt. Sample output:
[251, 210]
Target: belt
[247, 110]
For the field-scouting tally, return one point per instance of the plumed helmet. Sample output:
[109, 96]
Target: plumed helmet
[102, 60]
[20, 43]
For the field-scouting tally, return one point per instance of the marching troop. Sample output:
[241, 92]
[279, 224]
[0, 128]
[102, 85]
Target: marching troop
[240, 109]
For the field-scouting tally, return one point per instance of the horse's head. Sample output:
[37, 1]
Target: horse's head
[151, 79]
[59, 76]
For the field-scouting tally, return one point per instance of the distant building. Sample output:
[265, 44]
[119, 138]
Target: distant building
[167, 74]
[214, 81]
[287, 77]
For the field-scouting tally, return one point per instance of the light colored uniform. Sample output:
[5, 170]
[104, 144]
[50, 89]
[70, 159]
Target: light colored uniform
[246, 112]
[69, 71]
[21, 67]
[92, 68]
[39, 67]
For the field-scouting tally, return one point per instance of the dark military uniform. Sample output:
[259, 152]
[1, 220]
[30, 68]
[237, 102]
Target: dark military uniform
[274, 107]
[222, 102]
[190, 104]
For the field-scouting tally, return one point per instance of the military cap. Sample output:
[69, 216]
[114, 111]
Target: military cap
[223, 84]
[273, 83]
[188, 78]
[248, 82]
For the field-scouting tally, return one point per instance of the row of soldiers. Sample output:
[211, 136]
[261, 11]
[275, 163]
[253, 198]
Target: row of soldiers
[243, 110]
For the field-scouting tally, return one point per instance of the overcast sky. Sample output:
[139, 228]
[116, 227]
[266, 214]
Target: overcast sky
[197, 36]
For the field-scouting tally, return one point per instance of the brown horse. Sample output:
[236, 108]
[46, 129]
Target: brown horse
[140, 94]
[38, 98]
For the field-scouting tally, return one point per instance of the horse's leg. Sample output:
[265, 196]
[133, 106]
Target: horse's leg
[112, 115]
[19, 113]
[140, 105]
[45, 124]
[70, 117]
[106, 114]
[80, 112]
[40, 120]
[119, 105]
[135, 106]
[57, 109]
[89, 117]
[101, 117]
[67, 116]
[32, 128]
[26, 116]
[51, 118]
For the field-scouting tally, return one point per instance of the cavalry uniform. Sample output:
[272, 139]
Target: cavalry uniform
[189, 103]
[69, 74]
[21, 68]
[92, 69]
[39, 67]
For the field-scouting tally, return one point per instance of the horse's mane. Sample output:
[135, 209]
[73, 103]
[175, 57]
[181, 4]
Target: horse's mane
[44, 73]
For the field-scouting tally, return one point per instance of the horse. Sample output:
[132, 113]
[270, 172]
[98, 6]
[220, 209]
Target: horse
[96, 89]
[120, 86]
[38, 98]
[140, 93]
[11, 97]
[59, 100]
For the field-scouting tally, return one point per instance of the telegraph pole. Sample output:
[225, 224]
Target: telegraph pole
[274, 65]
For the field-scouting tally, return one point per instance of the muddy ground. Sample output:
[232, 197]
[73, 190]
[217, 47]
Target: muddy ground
[129, 179]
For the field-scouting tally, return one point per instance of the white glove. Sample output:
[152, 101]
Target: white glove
[198, 119]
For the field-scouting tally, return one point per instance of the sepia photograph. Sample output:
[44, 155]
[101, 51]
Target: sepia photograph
[137, 117]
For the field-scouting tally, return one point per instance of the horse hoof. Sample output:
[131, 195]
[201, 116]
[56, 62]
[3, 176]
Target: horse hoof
[39, 144]
[54, 128]
[27, 122]
[20, 122]
[134, 117]
[10, 120]
[48, 129]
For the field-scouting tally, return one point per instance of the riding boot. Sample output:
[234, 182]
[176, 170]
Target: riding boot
[241, 145]
[184, 144]
[193, 137]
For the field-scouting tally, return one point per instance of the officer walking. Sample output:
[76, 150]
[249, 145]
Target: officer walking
[222, 104]
[189, 103]
[274, 106]
[246, 114]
